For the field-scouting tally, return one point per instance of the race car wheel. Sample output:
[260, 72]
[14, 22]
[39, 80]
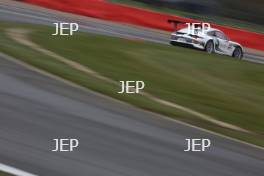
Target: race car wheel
[209, 47]
[172, 43]
[238, 53]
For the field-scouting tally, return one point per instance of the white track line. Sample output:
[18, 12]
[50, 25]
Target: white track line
[14, 171]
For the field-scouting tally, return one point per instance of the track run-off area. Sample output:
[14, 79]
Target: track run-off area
[115, 138]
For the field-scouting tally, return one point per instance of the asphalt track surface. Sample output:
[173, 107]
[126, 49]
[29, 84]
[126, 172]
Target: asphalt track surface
[116, 139]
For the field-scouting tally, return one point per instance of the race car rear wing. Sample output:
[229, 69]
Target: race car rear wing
[176, 24]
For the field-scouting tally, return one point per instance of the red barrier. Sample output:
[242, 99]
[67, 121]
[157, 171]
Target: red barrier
[126, 14]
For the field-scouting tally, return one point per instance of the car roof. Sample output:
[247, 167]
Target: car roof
[211, 29]
[214, 29]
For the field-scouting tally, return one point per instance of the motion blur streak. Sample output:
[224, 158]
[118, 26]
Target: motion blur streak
[115, 138]
[20, 12]
[21, 36]
[147, 18]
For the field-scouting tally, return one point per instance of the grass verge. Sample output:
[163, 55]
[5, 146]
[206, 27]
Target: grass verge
[226, 89]
[4, 174]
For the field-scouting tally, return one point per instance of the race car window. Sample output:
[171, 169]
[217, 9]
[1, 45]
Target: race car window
[221, 35]
[211, 33]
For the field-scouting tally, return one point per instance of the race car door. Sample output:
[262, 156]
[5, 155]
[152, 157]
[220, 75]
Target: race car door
[222, 42]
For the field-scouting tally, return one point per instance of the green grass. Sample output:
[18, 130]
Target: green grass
[213, 19]
[4, 174]
[224, 88]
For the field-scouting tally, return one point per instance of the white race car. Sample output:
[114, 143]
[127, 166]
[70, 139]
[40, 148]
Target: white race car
[211, 41]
